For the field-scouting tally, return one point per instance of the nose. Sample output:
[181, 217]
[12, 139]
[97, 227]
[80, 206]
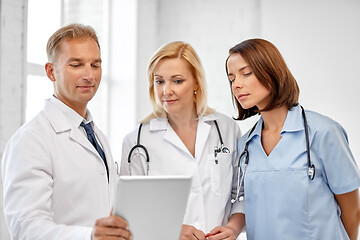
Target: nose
[238, 82]
[167, 89]
[89, 73]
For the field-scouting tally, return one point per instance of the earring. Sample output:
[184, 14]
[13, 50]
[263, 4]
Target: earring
[194, 92]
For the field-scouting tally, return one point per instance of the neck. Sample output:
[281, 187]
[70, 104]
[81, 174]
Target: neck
[274, 119]
[187, 119]
[80, 109]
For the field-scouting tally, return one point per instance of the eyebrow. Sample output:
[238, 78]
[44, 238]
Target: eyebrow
[243, 68]
[176, 75]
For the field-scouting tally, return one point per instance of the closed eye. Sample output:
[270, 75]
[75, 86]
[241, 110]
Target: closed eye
[247, 74]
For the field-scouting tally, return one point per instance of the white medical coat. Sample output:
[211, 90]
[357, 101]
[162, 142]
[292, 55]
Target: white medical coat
[209, 199]
[55, 182]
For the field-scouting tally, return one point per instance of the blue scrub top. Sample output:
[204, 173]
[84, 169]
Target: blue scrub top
[281, 202]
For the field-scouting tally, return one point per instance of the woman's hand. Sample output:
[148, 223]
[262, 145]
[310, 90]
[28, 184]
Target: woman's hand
[191, 233]
[221, 232]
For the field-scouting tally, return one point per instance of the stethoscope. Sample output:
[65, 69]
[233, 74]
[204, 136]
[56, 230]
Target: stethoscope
[245, 153]
[217, 149]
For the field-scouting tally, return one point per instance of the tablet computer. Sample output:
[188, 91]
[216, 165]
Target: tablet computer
[154, 206]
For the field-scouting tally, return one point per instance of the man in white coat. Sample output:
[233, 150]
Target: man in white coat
[57, 169]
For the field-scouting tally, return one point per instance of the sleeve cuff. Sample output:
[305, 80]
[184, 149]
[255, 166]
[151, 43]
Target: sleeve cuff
[238, 207]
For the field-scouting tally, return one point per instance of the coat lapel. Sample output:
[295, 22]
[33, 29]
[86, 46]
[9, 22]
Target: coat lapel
[60, 125]
[202, 135]
[170, 135]
[203, 132]
[80, 138]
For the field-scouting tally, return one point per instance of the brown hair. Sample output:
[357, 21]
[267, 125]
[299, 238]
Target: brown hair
[271, 70]
[72, 31]
[182, 50]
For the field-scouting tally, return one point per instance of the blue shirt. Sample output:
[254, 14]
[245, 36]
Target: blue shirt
[281, 202]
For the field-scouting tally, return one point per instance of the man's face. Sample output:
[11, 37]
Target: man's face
[77, 72]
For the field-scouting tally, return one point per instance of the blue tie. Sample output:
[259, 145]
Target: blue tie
[91, 136]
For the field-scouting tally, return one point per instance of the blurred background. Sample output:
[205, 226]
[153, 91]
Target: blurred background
[318, 39]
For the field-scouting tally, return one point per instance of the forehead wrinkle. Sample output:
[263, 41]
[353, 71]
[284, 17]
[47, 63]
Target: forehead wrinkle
[76, 59]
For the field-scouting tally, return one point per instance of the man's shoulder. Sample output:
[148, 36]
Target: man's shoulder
[37, 127]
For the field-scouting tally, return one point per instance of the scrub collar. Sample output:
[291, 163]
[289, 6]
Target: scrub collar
[293, 123]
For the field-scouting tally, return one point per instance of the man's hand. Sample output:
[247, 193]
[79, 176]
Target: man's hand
[221, 232]
[111, 227]
[191, 233]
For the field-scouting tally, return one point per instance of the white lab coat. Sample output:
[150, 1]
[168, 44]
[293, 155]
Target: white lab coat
[55, 182]
[209, 199]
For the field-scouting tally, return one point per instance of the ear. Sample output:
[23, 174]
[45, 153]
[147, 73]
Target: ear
[196, 86]
[49, 69]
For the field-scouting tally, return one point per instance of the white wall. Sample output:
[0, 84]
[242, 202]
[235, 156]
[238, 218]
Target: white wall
[318, 39]
[320, 42]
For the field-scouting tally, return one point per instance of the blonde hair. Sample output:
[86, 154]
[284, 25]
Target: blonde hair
[182, 50]
[72, 31]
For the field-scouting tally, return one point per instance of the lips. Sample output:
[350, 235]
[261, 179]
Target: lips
[241, 97]
[169, 101]
[85, 87]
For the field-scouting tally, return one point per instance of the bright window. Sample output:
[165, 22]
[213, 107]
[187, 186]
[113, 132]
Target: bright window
[44, 18]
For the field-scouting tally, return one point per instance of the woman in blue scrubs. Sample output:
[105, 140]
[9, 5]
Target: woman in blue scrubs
[282, 199]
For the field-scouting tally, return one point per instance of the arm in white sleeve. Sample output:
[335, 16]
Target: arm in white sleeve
[28, 189]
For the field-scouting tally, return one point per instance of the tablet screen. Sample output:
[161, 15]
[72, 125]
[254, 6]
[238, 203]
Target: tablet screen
[154, 206]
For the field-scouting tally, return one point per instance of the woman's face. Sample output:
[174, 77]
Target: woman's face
[174, 85]
[246, 88]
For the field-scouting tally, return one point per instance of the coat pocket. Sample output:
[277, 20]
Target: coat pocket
[221, 174]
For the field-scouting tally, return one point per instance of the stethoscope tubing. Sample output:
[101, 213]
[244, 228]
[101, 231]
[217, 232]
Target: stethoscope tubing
[222, 148]
[311, 167]
[138, 145]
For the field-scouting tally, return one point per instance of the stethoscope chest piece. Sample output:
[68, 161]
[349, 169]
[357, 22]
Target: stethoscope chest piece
[311, 172]
[220, 149]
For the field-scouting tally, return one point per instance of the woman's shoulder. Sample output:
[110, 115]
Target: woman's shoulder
[134, 132]
[228, 126]
[319, 122]
[220, 117]
[148, 127]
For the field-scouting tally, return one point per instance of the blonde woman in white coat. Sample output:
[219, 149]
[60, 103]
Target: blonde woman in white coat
[181, 135]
